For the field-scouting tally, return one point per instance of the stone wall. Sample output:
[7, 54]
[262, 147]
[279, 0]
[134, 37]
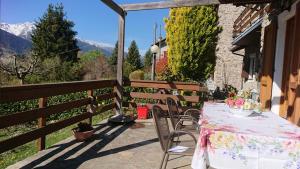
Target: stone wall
[228, 65]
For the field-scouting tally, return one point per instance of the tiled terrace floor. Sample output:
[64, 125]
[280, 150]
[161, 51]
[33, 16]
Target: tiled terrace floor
[112, 147]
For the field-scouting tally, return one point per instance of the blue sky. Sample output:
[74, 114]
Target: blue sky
[93, 20]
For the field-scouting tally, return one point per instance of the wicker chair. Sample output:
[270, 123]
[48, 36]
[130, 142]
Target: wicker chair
[166, 138]
[178, 119]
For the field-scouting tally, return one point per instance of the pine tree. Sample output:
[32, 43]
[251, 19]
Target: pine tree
[113, 60]
[134, 57]
[54, 37]
[192, 34]
[148, 59]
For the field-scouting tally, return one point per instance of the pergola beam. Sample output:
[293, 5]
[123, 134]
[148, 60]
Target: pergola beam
[114, 6]
[167, 4]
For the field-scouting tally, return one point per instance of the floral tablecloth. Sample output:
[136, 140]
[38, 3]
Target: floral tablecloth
[261, 141]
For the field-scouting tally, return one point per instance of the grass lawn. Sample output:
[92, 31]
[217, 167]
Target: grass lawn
[26, 150]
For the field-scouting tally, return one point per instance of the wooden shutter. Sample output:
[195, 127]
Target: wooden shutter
[295, 117]
[266, 79]
[288, 55]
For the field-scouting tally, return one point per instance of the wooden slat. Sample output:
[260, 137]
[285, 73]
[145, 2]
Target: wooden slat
[158, 96]
[249, 21]
[238, 20]
[26, 116]
[35, 134]
[167, 4]
[106, 96]
[27, 92]
[167, 85]
[104, 108]
[150, 105]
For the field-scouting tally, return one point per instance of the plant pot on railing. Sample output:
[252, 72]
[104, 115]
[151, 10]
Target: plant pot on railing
[83, 132]
[142, 111]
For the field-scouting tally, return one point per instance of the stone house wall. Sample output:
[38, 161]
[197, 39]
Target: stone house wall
[229, 66]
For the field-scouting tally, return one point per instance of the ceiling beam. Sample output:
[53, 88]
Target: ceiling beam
[114, 6]
[167, 4]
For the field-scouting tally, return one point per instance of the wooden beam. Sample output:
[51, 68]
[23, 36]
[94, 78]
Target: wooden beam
[167, 4]
[119, 86]
[114, 6]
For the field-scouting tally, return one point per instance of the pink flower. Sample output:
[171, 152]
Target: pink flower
[230, 102]
[239, 102]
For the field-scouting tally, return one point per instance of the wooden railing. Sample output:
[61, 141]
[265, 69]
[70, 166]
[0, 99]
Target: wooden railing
[43, 92]
[249, 16]
[153, 92]
[156, 92]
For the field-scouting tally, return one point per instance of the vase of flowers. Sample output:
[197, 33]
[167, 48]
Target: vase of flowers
[241, 104]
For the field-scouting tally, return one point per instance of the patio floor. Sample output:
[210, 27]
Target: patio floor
[113, 147]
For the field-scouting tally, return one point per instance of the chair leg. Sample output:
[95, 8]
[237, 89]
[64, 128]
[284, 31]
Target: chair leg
[162, 161]
[166, 161]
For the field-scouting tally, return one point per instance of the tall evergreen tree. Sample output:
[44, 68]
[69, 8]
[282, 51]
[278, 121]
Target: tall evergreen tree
[192, 34]
[113, 60]
[134, 57]
[53, 36]
[148, 59]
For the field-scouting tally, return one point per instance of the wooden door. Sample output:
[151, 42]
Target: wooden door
[266, 79]
[290, 107]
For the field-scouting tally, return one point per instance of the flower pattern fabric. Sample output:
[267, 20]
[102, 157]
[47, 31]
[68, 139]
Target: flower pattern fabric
[260, 141]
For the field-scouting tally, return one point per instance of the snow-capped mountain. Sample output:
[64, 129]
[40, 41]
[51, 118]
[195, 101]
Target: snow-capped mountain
[24, 31]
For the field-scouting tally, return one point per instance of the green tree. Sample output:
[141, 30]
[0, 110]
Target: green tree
[53, 36]
[192, 34]
[134, 57]
[148, 59]
[113, 60]
[90, 55]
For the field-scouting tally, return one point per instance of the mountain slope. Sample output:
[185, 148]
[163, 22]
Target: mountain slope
[23, 31]
[10, 43]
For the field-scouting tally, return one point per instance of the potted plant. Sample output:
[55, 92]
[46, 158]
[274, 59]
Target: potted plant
[142, 111]
[83, 131]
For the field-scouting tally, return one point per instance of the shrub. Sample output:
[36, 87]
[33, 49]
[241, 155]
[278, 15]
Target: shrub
[137, 75]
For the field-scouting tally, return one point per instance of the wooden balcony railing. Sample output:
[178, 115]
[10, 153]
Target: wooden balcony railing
[249, 16]
[149, 92]
[42, 92]
[156, 92]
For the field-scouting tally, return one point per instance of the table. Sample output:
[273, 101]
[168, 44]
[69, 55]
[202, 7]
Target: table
[261, 141]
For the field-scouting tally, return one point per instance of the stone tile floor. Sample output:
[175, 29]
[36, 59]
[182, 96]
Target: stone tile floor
[112, 147]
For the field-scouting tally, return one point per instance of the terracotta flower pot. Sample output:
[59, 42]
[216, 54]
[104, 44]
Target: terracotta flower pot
[82, 136]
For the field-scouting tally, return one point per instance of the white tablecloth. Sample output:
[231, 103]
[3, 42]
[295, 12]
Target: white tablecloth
[227, 141]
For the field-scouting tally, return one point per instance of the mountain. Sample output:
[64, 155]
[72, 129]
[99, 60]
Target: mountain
[22, 30]
[86, 45]
[10, 43]
[13, 34]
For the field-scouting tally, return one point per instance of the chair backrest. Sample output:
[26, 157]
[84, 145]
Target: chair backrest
[173, 111]
[162, 127]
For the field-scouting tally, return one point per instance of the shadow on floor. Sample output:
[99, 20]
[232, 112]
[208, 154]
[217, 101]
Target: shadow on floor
[88, 150]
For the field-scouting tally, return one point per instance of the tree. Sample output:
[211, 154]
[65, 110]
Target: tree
[54, 37]
[113, 60]
[134, 57]
[192, 34]
[95, 66]
[19, 66]
[148, 59]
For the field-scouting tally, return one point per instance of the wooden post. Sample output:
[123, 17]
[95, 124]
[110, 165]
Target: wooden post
[41, 142]
[119, 86]
[91, 95]
[194, 94]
